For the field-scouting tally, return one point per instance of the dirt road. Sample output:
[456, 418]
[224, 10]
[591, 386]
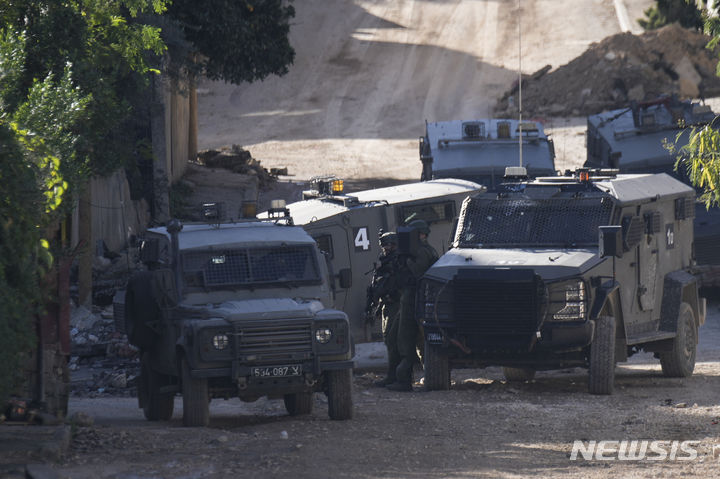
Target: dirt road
[369, 73]
[481, 427]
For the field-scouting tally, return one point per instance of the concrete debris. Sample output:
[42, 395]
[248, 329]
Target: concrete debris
[237, 160]
[619, 69]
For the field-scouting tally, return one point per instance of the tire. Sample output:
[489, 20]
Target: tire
[601, 379]
[141, 309]
[196, 398]
[518, 375]
[680, 362]
[339, 392]
[155, 405]
[299, 403]
[437, 369]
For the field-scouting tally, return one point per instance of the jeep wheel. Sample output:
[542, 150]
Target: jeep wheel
[196, 398]
[680, 362]
[141, 309]
[339, 392]
[518, 375]
[601, 379]
[437, 369]
[156, 406]
[299, 403]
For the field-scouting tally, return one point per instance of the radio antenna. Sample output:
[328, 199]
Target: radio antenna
[520, 133]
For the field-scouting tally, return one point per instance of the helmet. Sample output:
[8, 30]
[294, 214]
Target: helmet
[420, 225]
[388, 238]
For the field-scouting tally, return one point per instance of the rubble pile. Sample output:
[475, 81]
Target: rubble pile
[620, 69]
[237, 160]
[102, 362]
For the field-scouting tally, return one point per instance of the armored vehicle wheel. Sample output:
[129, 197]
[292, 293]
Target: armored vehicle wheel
[196, 398]
[680, 362]
[518, 375]
[339, 392]
[156, 406]
[601, 379]
[141, 309]
[299, 403]
[437, 369]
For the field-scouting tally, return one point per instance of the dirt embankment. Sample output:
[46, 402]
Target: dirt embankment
[619, 69]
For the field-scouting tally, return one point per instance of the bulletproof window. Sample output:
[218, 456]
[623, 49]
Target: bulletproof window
[522, 221]
[250, 266]
[503, 129]
[684, 208]
[430, 212]
[325, 244]
[473, 129]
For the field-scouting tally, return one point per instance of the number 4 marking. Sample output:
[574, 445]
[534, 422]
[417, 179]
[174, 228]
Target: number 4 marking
[361, 239]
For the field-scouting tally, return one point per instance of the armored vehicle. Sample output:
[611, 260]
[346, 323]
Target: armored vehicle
[347, 229]
[633, 140]
[578, 270]
[236, 310]
[480, 150]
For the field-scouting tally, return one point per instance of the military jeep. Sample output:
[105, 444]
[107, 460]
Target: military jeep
[236, 310]
[578, 270]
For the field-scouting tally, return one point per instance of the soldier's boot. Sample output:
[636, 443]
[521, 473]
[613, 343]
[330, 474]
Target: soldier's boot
[387, 380]
[404, 375]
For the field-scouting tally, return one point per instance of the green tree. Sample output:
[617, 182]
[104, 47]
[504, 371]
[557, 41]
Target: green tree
[68, 73]
[233, 40]
[664, 12]
[700, 158]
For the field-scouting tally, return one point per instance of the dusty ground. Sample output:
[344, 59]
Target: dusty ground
[482, 427]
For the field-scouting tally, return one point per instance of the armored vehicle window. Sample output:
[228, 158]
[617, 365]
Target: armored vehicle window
[523, 221]
[430, 212]
[250, 266]
[325, 244]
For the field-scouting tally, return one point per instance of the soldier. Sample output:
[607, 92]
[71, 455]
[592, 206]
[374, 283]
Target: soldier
[412, 267]
[385, 294]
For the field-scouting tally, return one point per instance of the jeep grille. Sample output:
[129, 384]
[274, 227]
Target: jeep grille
[276, 342]
[497, 308]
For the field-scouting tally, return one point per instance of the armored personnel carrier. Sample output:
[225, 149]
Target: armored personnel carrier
[480, 150]
[578, 270]
[236, 310]
[633, 140]
[347, 228]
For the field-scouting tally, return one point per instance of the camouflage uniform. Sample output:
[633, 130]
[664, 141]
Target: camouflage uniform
[412, 270]
[386, 293]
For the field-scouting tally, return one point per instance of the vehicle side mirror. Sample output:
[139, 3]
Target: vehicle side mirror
[167, 291]
[610, 241]
[345, 278]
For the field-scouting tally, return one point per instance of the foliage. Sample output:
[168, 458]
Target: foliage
[665, 12]
[69, 74]
[235, 40]
[701, 160]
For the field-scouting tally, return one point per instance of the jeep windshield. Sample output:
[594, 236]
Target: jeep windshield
[250, 267]
[570, 221]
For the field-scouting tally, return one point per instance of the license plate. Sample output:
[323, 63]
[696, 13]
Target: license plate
[277, 371]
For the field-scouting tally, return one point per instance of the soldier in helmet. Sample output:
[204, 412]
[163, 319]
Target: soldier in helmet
[386, 295]
[412, 267]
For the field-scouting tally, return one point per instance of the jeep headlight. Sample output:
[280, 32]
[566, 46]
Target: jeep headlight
[331, 336]
[220, 341]
[567, 301]
[323, 335]
[434, 301]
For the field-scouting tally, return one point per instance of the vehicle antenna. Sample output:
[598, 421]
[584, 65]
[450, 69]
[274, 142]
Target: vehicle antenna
[520, 134]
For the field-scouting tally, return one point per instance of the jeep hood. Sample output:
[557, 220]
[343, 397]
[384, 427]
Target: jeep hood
[550, 264]
[271, 308]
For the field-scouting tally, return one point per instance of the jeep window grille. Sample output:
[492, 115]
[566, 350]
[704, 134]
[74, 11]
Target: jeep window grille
[250, 266]
[562, 222]
[430, 213]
